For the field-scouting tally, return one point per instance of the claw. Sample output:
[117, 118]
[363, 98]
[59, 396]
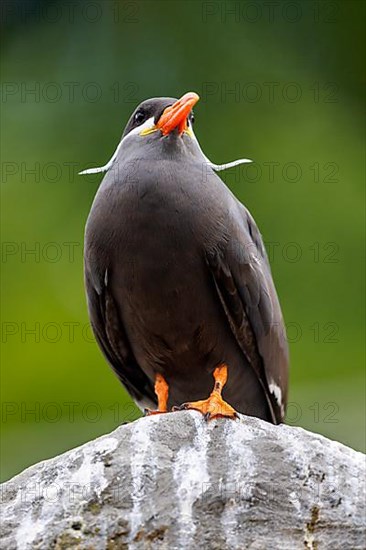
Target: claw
[149, 412]
[214, 406]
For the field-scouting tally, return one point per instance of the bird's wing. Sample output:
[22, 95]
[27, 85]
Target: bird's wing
[244, 283]
[111, 336]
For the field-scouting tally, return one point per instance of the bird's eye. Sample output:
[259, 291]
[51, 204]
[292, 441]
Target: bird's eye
[139, 117]
[192, 119]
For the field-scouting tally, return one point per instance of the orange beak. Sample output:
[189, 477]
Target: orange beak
[176, 115]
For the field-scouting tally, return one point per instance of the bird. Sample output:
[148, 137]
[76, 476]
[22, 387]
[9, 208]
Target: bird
[178, 283]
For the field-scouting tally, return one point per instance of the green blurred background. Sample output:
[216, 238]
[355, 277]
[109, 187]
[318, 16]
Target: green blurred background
[281, 83]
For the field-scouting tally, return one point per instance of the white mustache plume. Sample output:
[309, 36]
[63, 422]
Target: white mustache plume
[216, 167]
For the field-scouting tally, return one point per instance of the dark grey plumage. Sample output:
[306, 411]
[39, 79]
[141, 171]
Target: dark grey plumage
[178, 280]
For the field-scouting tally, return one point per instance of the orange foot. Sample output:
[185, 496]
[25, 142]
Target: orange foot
[162, 390]
[214, 406]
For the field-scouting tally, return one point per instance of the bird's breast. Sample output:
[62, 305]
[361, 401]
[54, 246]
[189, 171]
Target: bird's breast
[152, 238]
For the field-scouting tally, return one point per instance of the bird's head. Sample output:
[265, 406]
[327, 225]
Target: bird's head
[161, 128]
[164, 116]
[162, 124]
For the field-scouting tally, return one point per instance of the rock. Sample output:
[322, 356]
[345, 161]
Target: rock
[176, 482]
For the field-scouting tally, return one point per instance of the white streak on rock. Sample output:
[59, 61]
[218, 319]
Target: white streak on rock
[191, 475]
[64, 489]
[295, 501]
[140, 443]
[90, 475]
[144, 466]
[236, 488]
[28, 531]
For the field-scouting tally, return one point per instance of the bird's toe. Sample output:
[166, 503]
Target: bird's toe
[213, 407]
